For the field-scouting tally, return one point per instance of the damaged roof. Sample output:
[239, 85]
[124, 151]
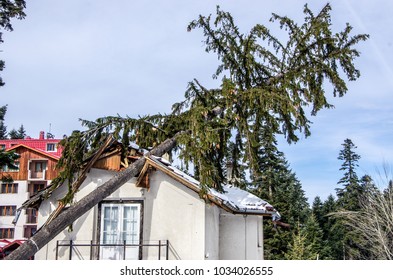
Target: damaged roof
[233, 199]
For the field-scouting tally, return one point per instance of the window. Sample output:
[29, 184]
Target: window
[38, 167]
[35, 188]
[2, 146]
[7, 210]
[120, 223]
[7, 233]
[29, 231]
[50, 147]
[9, 188]
[31, 214]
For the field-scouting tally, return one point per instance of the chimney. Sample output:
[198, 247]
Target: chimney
[42, 135]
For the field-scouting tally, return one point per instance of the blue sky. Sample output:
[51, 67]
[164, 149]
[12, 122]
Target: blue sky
[86, 59]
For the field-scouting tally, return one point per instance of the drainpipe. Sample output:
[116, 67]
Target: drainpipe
[245, 237]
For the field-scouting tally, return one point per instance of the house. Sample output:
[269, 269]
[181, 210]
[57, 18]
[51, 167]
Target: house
[157, 215]
[36, 169]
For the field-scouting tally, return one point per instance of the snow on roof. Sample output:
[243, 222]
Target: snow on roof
[234, 197]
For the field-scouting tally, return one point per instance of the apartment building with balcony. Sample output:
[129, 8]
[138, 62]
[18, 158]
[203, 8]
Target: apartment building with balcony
[36, 169]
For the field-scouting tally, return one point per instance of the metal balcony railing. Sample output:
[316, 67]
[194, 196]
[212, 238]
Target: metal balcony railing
[78, 249]
[34, 175]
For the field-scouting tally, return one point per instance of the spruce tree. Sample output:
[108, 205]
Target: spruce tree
[3, 128]
[300, 248]
[291, 201]
[316, 240]
[7, 158]
[349, 194]
[317, 210]
[21, 132]
[349, 198]
[17, 134]
[271, 164]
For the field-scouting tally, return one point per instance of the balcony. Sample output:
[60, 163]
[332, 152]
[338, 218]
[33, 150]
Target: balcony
[37, 170]
[156, 250]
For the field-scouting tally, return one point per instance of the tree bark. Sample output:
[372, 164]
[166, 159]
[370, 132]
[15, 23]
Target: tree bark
[67, 217]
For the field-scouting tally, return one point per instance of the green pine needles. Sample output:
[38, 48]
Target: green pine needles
[267, 84]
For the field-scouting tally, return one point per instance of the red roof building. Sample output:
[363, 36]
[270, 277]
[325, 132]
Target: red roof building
[48, 146]
[36, 168]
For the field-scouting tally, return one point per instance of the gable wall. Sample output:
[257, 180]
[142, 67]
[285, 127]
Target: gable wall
[25, 156]
[175, 213]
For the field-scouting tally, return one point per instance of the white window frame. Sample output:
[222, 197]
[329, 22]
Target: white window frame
[54, 147]
[116, 233]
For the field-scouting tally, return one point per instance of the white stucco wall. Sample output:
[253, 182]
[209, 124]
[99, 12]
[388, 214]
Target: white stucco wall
[15, 199]
[240, 237]
[83, 230]
[175, 213]
[212, 232]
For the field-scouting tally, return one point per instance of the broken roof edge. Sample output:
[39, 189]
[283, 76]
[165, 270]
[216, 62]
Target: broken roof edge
[233, 199]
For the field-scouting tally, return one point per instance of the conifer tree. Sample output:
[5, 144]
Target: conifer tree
[292, 203]
[319, 244]
[264, 81]
[350, 193]
[300, 247]
[317, 210]
[17, 134]
[271, 165]
[3, 128]
[7, 158]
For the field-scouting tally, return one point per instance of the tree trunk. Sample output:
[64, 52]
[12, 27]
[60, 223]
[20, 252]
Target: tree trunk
[67, 217]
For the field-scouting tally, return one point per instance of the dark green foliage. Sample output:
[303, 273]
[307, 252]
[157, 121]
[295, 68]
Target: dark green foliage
[307, 242]
[315, 239]
[17, 134]
[300, 248]
[317, 209]
[271, 165]
[349, 194]
[3, 128]
[331, 229]
[8, 159]
[289, 198]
